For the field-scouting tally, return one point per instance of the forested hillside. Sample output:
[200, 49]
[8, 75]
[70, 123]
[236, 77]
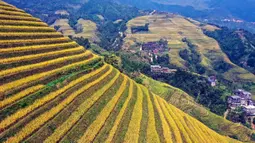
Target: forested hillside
[239, 45]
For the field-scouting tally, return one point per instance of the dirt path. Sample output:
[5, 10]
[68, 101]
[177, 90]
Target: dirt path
[226, 113]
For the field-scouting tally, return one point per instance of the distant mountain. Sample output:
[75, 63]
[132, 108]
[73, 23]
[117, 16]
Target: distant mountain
[243, 9]
[197, 4]
[222, 12]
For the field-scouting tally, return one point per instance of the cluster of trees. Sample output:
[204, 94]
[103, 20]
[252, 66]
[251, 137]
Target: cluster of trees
[144, 28]
[132, 63]
[111, 11]
[192, 57]
[198, 86]
[82, 41]
[239, 45]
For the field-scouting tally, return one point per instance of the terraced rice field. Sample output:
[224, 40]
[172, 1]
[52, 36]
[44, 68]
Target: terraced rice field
[64, 27]
[53, 90]
[186, 103]
[84, 28]
[174, 29]
[87, 29]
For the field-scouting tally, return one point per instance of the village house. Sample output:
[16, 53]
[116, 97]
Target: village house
[234, 101]
[249, 110]
[153, 47]
[155, 68]
[243, 94]
[160, 69]
[156, 47]
[240, 99]
[212, 80]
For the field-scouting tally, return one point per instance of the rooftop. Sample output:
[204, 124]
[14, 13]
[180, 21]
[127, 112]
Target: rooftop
[243, 91]
[155, 66]
[249, 107]
[235, 97]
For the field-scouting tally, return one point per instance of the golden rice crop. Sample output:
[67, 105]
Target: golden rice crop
[40, 102]
[4, 28]
[208, 134]
[43, 118]
[20, 95]
[173, 126]
[132, 134]
[15, 85]
[121, 113]
[22, 23]
[6, 17]
[196, 130]
[95, 127]
[165, 127]
[38, 56]
[6, 4]
[74, 118]
[37, 47]
[11, 8]
[152, 135]
[84, 107]
[27, 34]
[33, 41]
[187, 133]
[26, 68]
[16, 13]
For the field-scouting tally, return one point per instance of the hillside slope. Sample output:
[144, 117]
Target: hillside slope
[186, 103]
[53, 90]
[185, 36]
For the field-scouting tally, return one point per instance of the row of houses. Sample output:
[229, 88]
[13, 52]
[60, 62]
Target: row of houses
[242, 98]
[160, 69]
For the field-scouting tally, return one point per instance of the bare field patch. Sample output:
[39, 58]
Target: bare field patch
[86, 29]
[64, 27]
[83, 28]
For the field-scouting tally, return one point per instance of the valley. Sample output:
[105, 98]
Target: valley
[184, 34]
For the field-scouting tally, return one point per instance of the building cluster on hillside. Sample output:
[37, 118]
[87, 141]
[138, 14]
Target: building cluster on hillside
[212, 80]
[160, 69]
[155, 47]
[233, 20]
[242, 98]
